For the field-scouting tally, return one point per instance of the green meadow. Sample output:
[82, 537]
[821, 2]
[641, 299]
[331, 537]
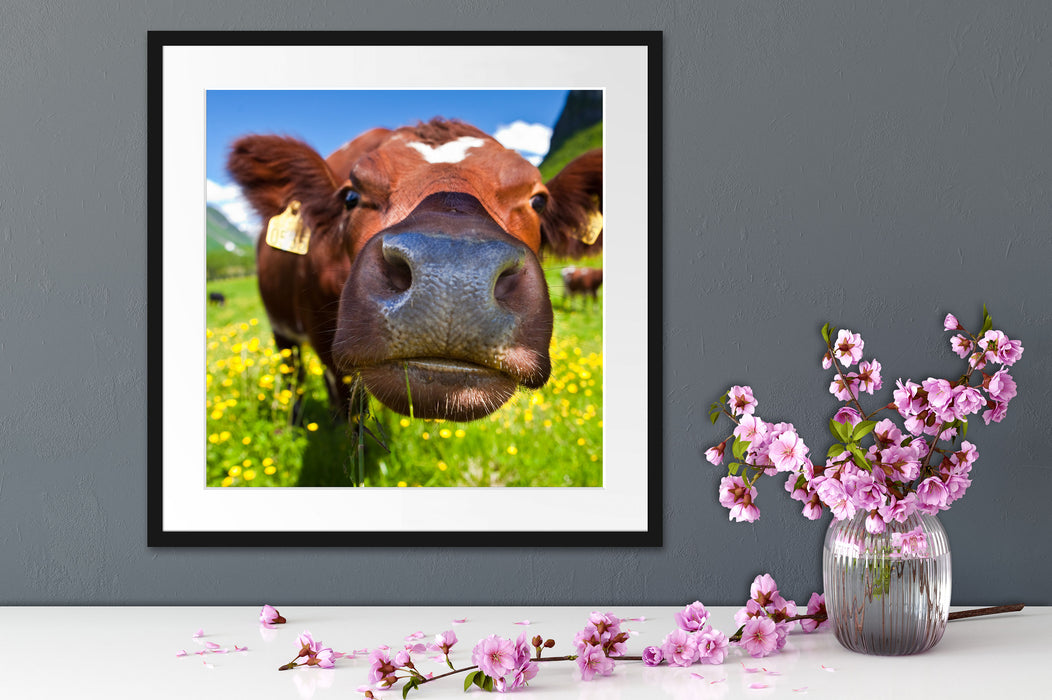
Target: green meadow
[552, 436]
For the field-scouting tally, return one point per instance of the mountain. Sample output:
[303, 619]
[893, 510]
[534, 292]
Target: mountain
[223, 235]
[578, 129]
[583, 108]
[229, 251]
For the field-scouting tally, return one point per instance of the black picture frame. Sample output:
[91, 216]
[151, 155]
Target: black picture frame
[182, 512]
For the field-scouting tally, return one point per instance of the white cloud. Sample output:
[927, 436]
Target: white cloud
[229, 200]
[530, 140]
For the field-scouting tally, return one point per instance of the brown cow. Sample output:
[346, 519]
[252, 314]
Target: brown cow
[581, 280]
[419, 269]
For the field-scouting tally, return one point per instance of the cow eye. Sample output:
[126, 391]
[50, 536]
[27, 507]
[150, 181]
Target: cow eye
[538, 202]
[351, 199]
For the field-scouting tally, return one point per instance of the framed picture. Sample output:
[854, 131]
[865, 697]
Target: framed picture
[404, 288]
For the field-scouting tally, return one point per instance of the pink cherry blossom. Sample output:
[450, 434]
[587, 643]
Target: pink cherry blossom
[737, 496]
[381, 668]
[835, 496]
[752, 609]
[760, 637]
[652, 656]
[848, 416]
[269, 615]
[680, 648]
[931, 495]
[750, 428]
[788, 451]
[961, 345]
[593, 662]
[712, 646]
[911, 543]
[940, 391]
[845, 388]
[1001, 386]
[715, 454]
[966, 401]
[763, 589]
[848, 347]
[908, 399]
[494, 656]
[444, 641]
[816, 605]
[741, 401]
[951, 323]
[869, 376]
[1009, 352]
[692, 618]
[996, 413]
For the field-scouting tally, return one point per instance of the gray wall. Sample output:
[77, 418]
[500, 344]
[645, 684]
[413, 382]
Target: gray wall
[870, 164]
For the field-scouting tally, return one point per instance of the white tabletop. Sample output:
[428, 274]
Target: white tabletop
[131, 652]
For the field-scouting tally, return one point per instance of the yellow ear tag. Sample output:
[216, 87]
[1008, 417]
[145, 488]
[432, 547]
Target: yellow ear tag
[591, 232]
[286, 231]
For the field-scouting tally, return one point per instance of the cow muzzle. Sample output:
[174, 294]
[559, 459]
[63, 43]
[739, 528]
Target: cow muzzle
[445, 314]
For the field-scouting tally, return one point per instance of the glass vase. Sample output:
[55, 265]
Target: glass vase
[887, 593]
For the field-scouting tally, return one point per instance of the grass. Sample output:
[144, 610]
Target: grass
[549, 437]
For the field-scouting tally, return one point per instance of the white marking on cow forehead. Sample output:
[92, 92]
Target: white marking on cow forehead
[449, 152]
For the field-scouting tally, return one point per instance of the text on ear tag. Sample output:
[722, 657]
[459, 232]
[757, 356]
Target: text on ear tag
[286, 231]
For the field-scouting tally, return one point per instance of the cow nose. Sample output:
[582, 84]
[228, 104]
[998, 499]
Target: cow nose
[453, 277]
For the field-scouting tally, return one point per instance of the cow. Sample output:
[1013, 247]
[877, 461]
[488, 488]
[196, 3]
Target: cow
[217, 298]
[409, 259]
[581, 281]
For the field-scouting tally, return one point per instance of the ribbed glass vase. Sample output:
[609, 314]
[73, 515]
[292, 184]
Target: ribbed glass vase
[887, 594]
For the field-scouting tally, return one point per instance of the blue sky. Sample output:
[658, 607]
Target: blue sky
[326, 119]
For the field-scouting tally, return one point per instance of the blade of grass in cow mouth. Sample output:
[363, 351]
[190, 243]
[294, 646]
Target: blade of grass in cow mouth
[436, 387]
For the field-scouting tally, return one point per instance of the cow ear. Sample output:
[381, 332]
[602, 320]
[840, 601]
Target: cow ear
[571, 224]
[276, 170]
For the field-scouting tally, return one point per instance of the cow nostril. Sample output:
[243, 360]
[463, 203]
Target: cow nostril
[507, 282]
[398, 274]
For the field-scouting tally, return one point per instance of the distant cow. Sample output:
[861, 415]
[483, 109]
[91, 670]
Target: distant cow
[216, 298]
[582, 281]
[414, 260]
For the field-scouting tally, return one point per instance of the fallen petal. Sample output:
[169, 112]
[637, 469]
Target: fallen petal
[237, 648]
[698, 676]
[802, 689]
[211, 645]
[415, 635]
[523, 622]
[460, 621]
[181, 652]
[208, 665]
[758, 686]
[750, 670]
[718, 681]
[641, 618]
[199, 633]
[827, 668]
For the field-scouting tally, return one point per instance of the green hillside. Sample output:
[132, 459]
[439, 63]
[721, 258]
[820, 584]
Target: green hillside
[230, 251]
[581, 142]
[221, 233]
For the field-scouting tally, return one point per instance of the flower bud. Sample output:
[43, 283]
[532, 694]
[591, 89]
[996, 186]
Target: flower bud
[549, 643]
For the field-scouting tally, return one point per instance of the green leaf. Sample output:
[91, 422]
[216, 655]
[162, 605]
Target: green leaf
[835, 451]
[860, 457]
[964, 429]
[487, 685]
[410, 685]
[714, 416]
[825, 332]
[988, 322]
[740, 446]
[470, 680]
[842, 431]
[733, 469]
[801, 481]
[862, 429]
